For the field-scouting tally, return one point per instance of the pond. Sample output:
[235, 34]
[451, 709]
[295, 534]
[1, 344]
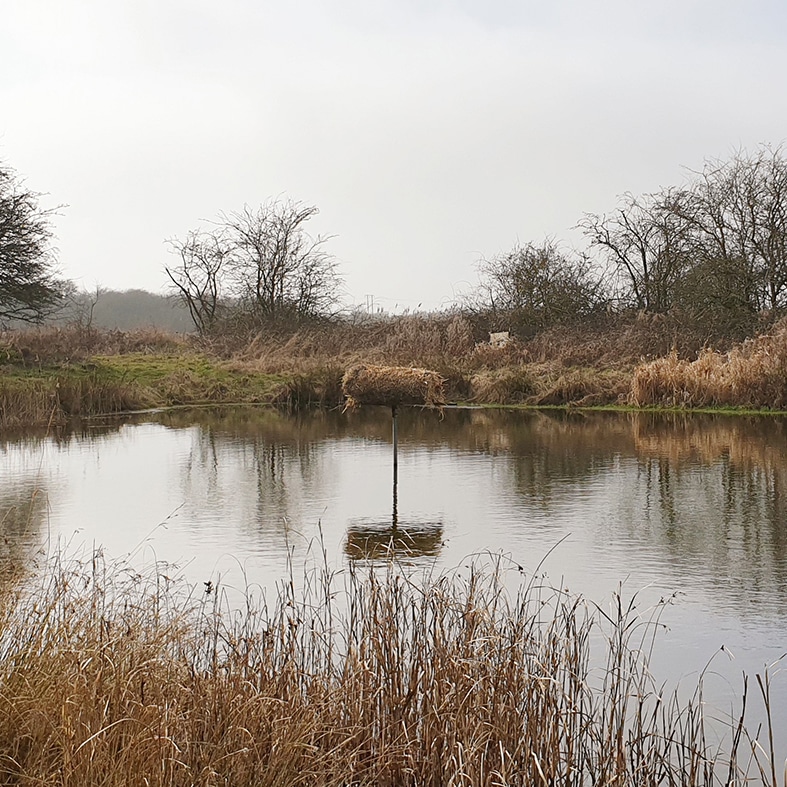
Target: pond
[692, 508]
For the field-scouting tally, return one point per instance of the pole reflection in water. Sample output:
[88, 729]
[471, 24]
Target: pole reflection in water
[368, 540]
[395, 438]
[405, 541]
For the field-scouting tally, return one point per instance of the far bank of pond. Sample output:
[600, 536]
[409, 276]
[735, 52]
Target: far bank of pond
[34, 394]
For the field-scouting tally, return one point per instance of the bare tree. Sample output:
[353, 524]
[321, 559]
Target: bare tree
[645, 242]
[277, 269]
[260, 263]
[29, 288]
[197, 279]
[534, 287]
[737, 212]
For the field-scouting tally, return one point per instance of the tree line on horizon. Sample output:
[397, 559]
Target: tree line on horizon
[713, 250]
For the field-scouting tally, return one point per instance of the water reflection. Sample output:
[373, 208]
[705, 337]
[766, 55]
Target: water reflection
[673, 499]
[693, 504]
[714, 489]
[23, 508]
[406, 542]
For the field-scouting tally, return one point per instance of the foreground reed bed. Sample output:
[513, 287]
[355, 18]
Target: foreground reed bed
[111, 677]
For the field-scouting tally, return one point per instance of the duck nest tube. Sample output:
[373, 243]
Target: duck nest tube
[391, 386]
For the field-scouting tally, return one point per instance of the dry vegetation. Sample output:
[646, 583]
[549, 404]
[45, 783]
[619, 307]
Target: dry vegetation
[752, 374]
[111, 677]
[44, 347]
[392, 386]
[48, 375]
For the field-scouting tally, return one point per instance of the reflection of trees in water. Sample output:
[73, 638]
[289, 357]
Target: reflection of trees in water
[256, 463]
[548, 453]
[23, 510]
[557, 453]
[712, 489]
[76, 430]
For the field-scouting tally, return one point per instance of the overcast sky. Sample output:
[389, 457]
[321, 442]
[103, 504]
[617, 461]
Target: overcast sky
[428, 133]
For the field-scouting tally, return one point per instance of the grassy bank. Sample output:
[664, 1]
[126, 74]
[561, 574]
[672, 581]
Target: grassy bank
[113, 677]
[50, 375]
[47, 376]
[53, 392]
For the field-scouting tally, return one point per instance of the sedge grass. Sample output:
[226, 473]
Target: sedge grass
[371, 677]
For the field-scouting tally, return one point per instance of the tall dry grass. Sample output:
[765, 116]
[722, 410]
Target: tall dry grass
[315, 358]
[752, 374]
[112, 677]
[410, 340]
[44, 346]
[54, 399]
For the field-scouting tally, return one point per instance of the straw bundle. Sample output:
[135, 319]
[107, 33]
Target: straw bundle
[392, 386]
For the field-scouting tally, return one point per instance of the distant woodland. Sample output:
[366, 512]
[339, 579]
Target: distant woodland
[124, 311]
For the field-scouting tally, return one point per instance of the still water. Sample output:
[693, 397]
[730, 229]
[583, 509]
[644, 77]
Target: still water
[690, 506]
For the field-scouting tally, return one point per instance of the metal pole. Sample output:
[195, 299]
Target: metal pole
[395, 464]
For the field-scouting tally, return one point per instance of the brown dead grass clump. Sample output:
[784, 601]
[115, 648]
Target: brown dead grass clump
[392, 386]
[752, 374]
[320, 387]
[550, 384]
[512, 385]
[585, 388]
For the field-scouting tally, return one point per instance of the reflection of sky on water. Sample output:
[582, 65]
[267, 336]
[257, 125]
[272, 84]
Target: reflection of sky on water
[693, 507]
[204, 488]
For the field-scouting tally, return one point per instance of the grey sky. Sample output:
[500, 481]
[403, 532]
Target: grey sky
[428, 133]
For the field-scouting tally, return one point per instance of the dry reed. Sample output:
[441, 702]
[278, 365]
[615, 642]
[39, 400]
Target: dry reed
[114, 677]
[54, 399]
[44, 346]
[392, 386]
[512, 385]
[752, 374]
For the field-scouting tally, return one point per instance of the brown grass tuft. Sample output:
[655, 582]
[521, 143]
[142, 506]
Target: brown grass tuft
[511, 385]
[585, 388]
